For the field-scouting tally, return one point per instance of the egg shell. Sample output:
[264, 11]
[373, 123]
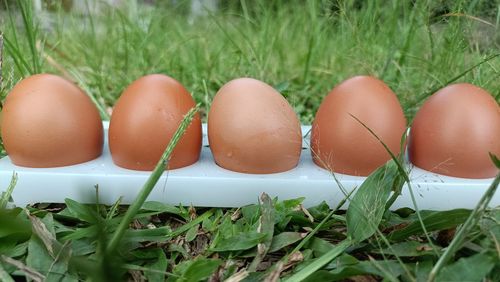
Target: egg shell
[48, 121]
[145, 118]
[454, 131]
[253, 129]
[340, 143]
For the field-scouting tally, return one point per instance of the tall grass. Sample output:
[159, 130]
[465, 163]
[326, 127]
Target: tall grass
[307, 46]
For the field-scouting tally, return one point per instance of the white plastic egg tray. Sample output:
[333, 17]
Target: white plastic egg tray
[208, 185]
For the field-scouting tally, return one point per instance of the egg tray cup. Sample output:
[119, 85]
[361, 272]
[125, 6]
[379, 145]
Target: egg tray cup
[205, 184]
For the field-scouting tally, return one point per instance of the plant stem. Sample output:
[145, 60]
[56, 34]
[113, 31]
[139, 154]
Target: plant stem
[31, 29]
[403, 173]
[151, 182]
[450, 81]
[5, 196]
[466, 228]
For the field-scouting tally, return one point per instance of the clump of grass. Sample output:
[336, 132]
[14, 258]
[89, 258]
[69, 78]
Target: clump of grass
[17, 47]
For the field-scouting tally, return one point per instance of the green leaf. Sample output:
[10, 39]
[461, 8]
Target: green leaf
[160, 207]
[473, 268]
[45, 253]
[284, 239]
[225, 228]
[284, 210]
[250, 213]
[176, 248]
[266, 227]
[343, 260]
[321, 275]
[490, 224]
[82, 247]
[81, 211]
[192, 233]
[4, 276]
[189, 225]
[422, 270]
[199, 269]
[361, 268]
[282, 86]
[289, 205]
[160, 234]
[367, 207]
[40, 259]
[320, 262]
[319, 211]
[320, 246]
[433, 221]
[13, 248]
[407, 249]
[159, 267]
[14, 223]
[144, 254]
[208, 225]
[64, 216]
[241, 241]
[279, 242]
[469, 225]
[80, 233]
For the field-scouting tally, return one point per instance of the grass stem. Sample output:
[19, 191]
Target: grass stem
[466, 228]
[151, 182]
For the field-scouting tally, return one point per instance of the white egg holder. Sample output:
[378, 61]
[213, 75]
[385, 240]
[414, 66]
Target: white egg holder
[205, 184]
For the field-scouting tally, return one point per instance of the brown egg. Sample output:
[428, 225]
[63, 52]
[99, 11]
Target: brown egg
[340, 143]
[454, 130]
[144, 120]
[48, 121]
[253, 129]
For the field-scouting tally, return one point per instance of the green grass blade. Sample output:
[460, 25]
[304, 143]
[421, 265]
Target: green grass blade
[468, 226]
[495, 160]
[266, 226]
[453, 79]
[473, 268]
[17, 56]
[439, 220]
[30, 27]
[406, 177]
[4, 276]
[151, 182]
[5, 196]
[192, 223]
[81, 82]
[409, 37]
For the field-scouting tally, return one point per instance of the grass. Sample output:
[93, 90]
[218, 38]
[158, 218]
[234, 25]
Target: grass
[302, 48]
